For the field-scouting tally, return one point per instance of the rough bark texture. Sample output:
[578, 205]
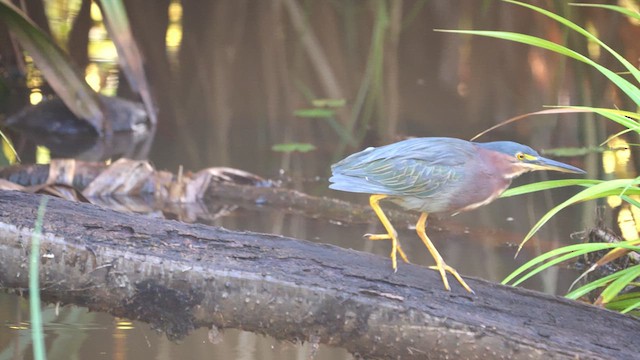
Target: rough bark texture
[178, 277]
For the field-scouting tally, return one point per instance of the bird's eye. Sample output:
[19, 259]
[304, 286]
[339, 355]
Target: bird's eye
[520, 156]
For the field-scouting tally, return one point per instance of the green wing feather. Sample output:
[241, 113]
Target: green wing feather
[415, 167]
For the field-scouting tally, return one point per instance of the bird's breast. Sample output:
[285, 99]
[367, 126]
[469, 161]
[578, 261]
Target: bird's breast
[481, 190]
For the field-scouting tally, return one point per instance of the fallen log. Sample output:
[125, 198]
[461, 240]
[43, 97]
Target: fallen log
[178, 277]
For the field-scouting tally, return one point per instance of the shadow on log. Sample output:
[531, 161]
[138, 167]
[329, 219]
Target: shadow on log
[178, 277]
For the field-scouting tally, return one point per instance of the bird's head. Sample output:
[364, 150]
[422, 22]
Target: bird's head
[517, 159]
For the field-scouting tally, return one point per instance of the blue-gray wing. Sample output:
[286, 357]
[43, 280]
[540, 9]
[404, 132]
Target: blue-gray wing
[416, 167]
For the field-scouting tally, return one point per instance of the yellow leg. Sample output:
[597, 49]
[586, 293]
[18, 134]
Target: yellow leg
[391, 234]
[441, 266]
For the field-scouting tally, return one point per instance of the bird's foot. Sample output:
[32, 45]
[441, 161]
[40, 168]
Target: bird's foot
[442, 267]
[395, 249]
[377, 236]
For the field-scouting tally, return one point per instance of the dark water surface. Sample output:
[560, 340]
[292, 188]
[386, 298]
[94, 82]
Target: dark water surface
[228, 92]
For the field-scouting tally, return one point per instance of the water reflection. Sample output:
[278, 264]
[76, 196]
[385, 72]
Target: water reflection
[74, 332]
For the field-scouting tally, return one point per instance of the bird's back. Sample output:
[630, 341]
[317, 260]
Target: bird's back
[412, 172]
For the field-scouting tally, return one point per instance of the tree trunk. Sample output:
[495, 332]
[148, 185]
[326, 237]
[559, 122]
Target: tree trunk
[177, 277]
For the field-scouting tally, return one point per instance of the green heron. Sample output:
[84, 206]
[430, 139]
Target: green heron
[436, 174]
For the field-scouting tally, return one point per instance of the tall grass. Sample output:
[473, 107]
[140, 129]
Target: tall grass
[37, 335]
[612, 285]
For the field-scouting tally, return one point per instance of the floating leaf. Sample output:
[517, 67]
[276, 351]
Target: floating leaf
[330, 103]
[291, 147]
[315, 113]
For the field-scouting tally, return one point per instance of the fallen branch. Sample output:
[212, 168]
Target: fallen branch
[178, 277]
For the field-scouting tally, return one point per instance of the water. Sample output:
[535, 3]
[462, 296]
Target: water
[229, 94]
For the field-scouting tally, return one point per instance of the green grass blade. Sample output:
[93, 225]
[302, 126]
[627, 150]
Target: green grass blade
[548, 264]
[9, 145]
[615, 192]
[631, 307]
[546, 185]
[630, 201]
[624, 301]
[573, 26]
[555, 109]
[629, 114]
[616, 135]
[37, 334]
[585, 289]
[623, 120]
[620, 9]
[620, 283]
[631, 90]
[563, 253]
[593, 192]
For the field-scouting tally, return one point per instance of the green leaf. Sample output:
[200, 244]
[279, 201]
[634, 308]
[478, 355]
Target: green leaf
[564, 253]
[561, 254]
[615, 115]
[552, 184]
[315, 113]
[632, 306]
[291, 147]
[620, 9]
[331, 103]
[620, 283]
[632, 91]
[627, 119]
[585, 289]
[603, 189]
[630, 67]
[627, 301]
[9, 153]
[55, 66]
[557, 110]
[546, 185]
[631, 201]
[629, 114]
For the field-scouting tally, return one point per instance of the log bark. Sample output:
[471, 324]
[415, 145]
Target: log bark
[177, 277]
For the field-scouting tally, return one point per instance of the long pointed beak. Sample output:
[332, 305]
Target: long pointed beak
[542, 163]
